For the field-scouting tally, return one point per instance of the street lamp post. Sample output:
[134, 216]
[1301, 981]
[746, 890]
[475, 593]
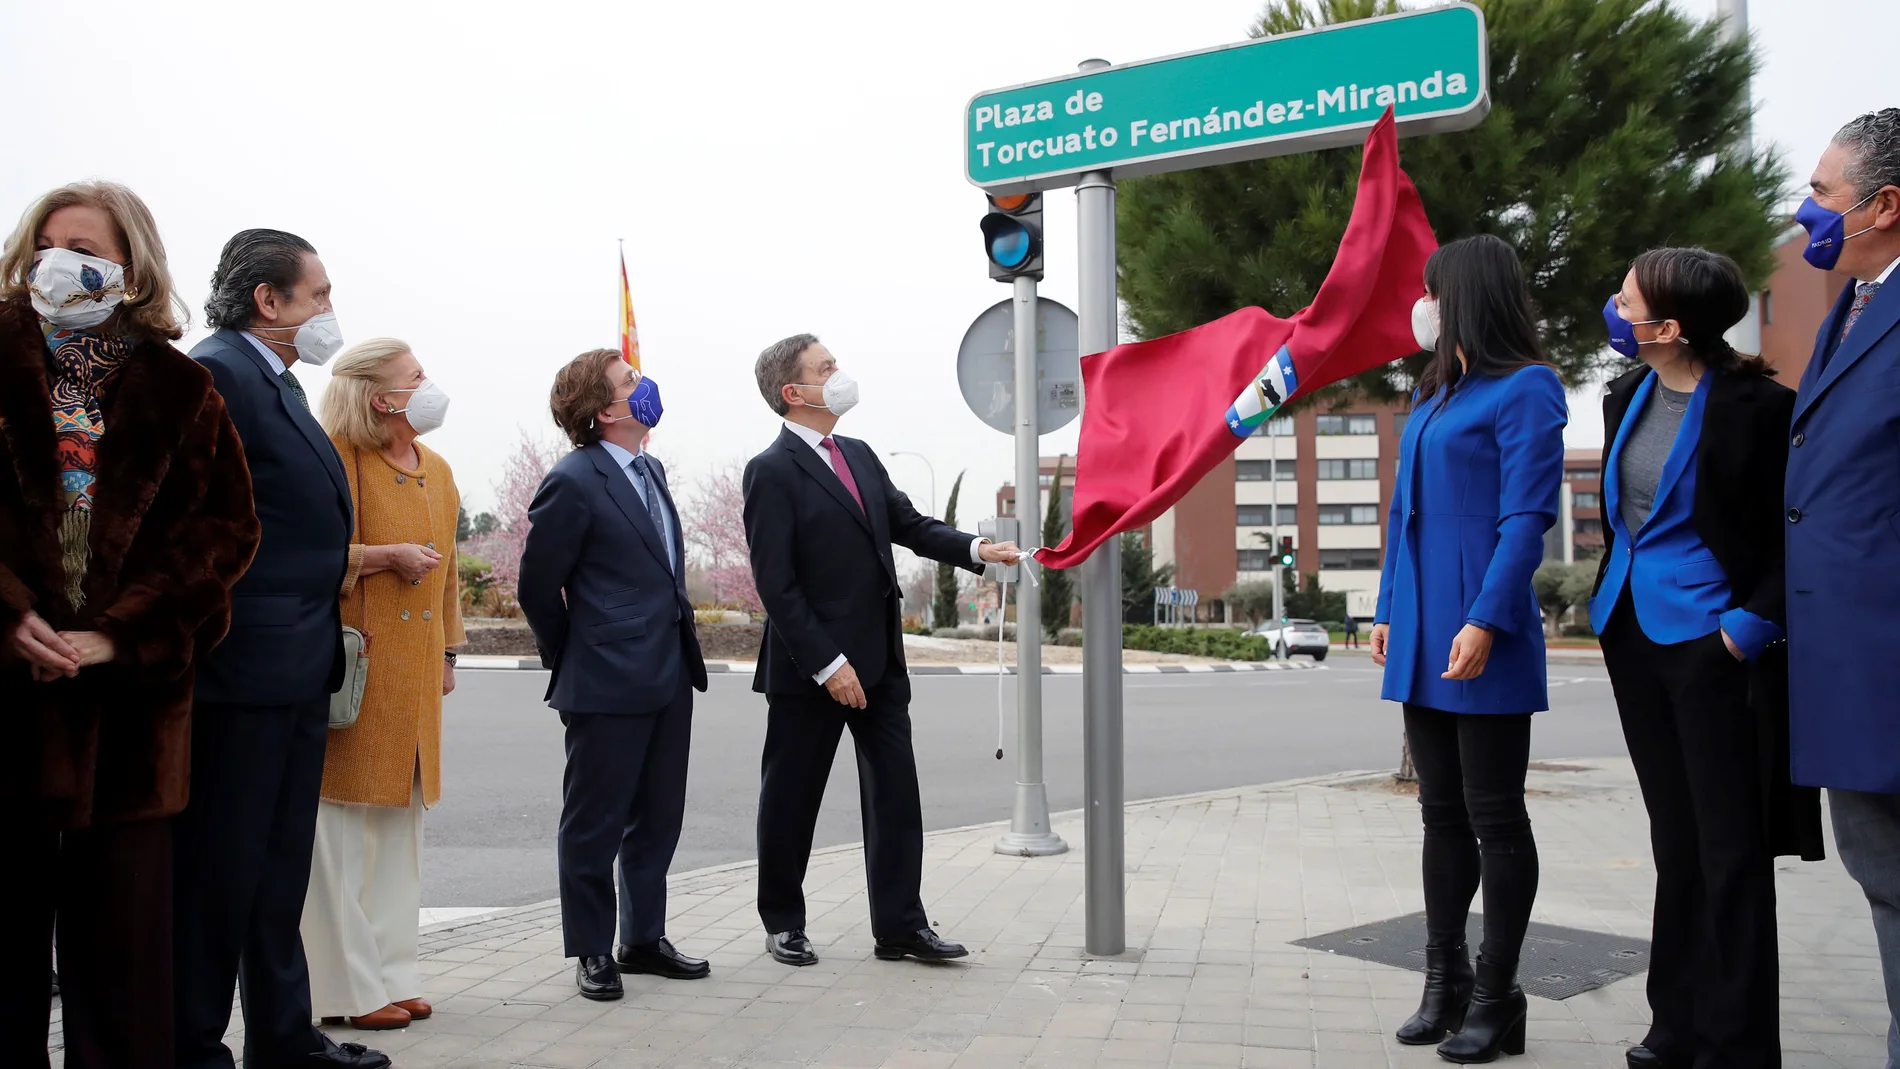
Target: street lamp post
[933, 476]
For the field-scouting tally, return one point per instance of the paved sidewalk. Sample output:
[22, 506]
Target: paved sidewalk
[1218, 884]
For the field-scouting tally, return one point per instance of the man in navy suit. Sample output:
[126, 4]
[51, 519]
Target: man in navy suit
[820, 517]
[1843, 502]
[261, 713]
[603, 585]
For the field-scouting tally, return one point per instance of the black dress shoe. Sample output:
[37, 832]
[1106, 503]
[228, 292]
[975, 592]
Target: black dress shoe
[1641, 1057]
[660, 959]
[334, 1055]
[791, 948]
[598, 978]
[922, 944]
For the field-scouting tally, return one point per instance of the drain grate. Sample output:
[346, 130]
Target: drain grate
[1557, 962]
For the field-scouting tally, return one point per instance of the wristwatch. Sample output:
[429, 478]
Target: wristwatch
[449, 656]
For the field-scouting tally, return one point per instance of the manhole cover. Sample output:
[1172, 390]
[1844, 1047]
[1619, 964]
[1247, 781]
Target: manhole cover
[1557, 962]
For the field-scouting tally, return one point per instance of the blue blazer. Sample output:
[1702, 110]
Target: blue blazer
[1479, 474]
[285, 644]
[612, 620]
[1843, 565]
[1681, 591]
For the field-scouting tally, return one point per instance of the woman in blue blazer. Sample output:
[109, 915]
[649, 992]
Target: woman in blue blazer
[1459, 631]
[1690, 605]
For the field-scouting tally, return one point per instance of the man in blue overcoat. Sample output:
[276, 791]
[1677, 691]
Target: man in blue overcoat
[1843, 505]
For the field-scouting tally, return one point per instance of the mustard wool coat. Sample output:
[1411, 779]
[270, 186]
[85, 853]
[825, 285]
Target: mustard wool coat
[399, 730]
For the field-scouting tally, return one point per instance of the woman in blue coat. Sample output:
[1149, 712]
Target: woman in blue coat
[1459, 631]
[1690, 602]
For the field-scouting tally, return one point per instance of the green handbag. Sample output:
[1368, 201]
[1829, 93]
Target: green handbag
[347, 702]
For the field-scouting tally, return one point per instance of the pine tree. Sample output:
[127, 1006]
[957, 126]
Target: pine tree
[949, 612]
[1058, 588]
[1612, 130]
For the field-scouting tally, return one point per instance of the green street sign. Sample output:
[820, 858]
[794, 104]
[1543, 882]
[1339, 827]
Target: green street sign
[1295, 92]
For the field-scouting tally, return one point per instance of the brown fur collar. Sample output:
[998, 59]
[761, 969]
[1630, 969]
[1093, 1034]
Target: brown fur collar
[146, 407]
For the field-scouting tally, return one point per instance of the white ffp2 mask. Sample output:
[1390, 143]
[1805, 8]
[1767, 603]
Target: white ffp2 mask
[428, 406]
[317, 339]
[840, 390]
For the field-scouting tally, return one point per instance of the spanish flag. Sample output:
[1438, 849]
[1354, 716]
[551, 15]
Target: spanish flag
[629, 334]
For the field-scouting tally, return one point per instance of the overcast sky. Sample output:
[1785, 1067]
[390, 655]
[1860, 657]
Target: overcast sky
[465, 168]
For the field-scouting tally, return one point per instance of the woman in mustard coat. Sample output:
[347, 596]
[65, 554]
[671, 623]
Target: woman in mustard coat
[360, 918]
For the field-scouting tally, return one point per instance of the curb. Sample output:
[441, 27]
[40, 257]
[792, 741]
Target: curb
[533, 664]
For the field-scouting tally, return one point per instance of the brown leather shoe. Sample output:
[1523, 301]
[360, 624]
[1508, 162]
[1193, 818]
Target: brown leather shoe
[391, 1016]
[419, 1009]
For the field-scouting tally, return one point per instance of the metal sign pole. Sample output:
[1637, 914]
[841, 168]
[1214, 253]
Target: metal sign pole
[1099, 317]
[1029, 834]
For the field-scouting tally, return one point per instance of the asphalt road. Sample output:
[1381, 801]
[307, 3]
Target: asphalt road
[490, 842]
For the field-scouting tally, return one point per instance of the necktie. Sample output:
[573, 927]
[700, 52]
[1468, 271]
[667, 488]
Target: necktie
[297, 388]
[843, 469]
[1863, 296]
[652, 501]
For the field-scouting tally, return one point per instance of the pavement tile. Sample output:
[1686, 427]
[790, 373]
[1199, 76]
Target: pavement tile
[1219, 883]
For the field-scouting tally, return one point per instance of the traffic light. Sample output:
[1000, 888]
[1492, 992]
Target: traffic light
[1012, 236]
[1286, 551]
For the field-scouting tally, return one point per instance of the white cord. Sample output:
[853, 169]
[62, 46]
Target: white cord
[1002, 619]
[1026, 561]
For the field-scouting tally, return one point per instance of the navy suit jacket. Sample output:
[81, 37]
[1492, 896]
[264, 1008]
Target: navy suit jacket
[1843, 565]
[824, 567]
[285, 641]
[612, 620]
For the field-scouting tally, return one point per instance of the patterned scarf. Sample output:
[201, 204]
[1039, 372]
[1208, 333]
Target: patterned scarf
[79, 364]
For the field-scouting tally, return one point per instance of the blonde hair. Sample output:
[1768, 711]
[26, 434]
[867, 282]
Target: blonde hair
[150, 307]
[356, 378]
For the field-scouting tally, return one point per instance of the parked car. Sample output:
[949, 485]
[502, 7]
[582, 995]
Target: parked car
[1301, 636]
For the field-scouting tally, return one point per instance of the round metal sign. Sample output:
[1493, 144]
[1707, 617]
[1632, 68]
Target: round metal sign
[986, 366]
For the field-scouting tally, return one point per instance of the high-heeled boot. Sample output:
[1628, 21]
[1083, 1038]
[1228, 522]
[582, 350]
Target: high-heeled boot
[1441, 1010]
[1495, 1024]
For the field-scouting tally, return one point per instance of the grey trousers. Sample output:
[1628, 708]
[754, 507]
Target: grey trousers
[1867, 831]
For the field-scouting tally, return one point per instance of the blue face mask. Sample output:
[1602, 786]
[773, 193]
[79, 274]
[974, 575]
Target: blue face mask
[1623, 332]
[643, 404]
[1826, 231]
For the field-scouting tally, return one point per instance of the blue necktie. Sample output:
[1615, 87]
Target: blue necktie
[652, 501]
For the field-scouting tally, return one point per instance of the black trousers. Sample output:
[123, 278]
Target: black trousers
[801, 739]
[1714, 975]
[111, 887]
[1471, 771]
[623, 796]
[243, 848]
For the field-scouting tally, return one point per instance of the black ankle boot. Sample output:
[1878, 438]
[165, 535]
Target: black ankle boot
[1441, 1011]
[1495, 1024]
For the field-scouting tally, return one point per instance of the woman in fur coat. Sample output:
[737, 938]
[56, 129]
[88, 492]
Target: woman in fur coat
[125, 516]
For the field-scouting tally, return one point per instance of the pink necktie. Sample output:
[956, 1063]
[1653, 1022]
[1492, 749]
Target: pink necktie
[844, 471]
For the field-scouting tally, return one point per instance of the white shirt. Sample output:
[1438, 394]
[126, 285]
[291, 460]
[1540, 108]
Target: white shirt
[815, 440]
[270, 355]
[1882, 280]
[625, 460]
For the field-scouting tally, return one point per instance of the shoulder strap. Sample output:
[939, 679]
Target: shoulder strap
[356, 536]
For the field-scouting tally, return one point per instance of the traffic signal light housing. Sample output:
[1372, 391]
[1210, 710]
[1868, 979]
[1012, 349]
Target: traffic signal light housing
[1286, 551]
[1012, 236]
